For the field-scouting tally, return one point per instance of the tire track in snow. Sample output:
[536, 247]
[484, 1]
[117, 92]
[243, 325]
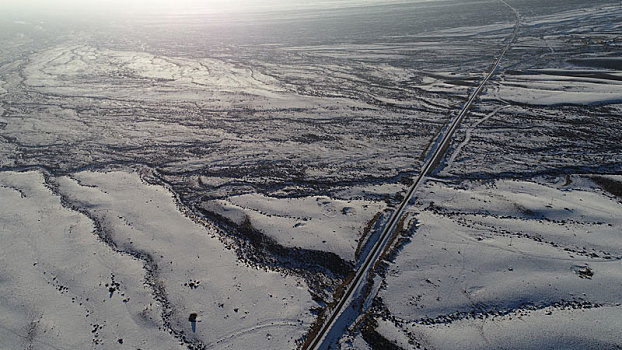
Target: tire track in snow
[467, 137]
[262, 325]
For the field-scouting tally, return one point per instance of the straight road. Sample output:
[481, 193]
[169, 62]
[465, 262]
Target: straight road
[320, 339]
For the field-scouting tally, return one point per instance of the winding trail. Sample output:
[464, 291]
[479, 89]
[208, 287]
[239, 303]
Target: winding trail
[345, 311]
[276, 323]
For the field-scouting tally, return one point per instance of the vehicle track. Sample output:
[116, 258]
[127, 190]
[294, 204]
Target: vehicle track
[320, 339]
[469, 133]
[260, 326]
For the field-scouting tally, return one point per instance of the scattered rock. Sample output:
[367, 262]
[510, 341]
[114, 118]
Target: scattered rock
[583, 271]
[193, 284]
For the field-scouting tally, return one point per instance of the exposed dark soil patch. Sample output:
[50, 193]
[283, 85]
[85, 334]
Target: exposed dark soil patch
[322, 270]
[612, 186]
[375, 339]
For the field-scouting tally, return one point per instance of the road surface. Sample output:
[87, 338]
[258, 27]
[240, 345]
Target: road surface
[322, 340]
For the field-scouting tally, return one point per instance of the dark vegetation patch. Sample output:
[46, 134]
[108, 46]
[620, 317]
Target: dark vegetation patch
[612, 186]
[374, 339]
[322, 270]
[374, 224]
[614, 63]
[520, 310]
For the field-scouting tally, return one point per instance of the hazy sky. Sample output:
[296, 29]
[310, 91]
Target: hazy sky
[99, 7]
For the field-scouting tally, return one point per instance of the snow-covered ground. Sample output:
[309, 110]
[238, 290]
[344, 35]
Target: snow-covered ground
[562, 87]
[163, 166]
[318, 223]
[129, 265]
[564, 70]
[57, 276]
[509, 264]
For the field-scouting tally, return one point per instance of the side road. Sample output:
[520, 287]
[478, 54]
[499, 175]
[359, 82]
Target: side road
[337, 319]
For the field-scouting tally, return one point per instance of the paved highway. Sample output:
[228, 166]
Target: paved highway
[320, 340]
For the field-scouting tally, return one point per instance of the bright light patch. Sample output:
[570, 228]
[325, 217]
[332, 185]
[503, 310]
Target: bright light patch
[106, 7]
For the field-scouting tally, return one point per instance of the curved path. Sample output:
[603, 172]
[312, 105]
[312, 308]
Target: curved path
[332, 327]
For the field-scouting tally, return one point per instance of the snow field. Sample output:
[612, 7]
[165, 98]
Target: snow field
[56, 278]
[318, 222]
[510, 264]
